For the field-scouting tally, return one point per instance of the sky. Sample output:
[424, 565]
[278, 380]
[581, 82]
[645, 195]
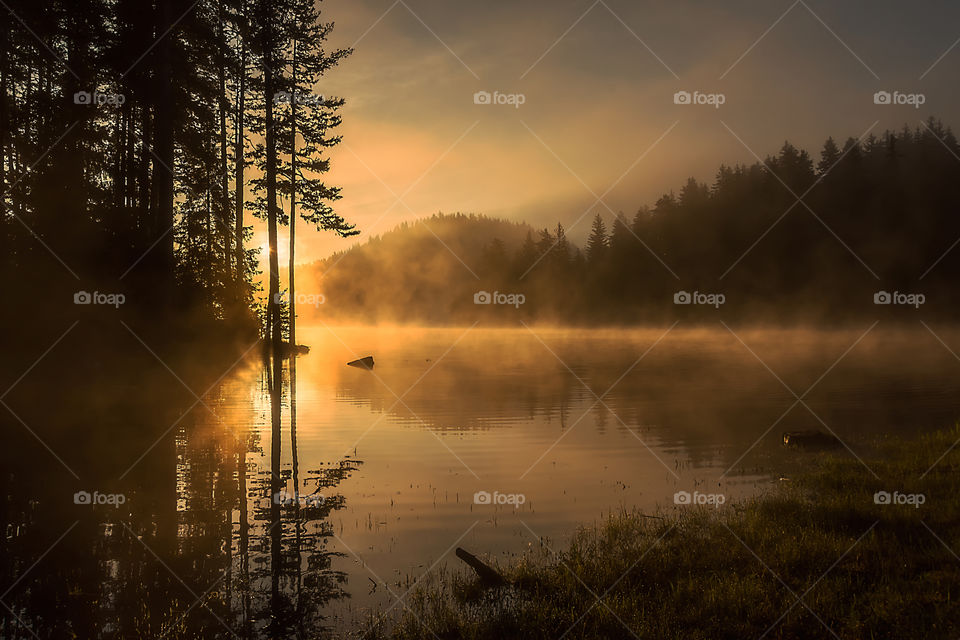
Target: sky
[583, 115]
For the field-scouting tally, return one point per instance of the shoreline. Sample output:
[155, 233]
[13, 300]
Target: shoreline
[845, 549]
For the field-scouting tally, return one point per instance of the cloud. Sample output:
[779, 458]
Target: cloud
[599, 98]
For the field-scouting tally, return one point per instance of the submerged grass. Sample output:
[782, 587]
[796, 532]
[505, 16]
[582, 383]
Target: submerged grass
[815, 557]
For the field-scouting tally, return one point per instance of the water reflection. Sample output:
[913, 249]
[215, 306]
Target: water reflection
[511, 411]
[689, 385]
[205, 536]
[254, 518]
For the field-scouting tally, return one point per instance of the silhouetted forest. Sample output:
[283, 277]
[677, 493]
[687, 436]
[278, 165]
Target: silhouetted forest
[135, 142]
[795, 238]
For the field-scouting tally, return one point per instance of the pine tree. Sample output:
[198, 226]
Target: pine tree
[597, 243]
[267, 20]
[304, 124]
[828, 156]
[561, 252]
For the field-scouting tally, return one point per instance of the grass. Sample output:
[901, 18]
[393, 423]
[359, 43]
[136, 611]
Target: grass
[815, 557]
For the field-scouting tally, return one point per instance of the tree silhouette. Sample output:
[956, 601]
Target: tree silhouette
[125, 155]
[308, 118]
[597, 243]
[876, 215]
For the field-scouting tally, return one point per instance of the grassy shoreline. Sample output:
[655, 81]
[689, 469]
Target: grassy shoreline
[815, 557]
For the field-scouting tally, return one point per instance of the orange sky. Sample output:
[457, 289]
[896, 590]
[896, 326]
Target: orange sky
[598, 80]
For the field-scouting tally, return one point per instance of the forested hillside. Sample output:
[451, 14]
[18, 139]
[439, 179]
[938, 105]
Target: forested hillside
[797, 237]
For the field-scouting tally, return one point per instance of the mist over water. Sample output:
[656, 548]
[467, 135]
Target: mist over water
[509, 411]
[314, 309]
[483, 438]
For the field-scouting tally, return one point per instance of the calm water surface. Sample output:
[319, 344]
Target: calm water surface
[448, 413]
[384, 465]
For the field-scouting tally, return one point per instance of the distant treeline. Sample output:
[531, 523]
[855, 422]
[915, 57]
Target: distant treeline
[136, 139]
[788, 239]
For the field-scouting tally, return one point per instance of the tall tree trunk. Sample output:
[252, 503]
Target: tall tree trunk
[223, 207]
[207, 257]
[270, 170]
[239, 156]
[163, 147]
[293, 206]
[6, 249]
[70, 186]
[145, 204]
[273, 307]
[129, 199]
[116, 181]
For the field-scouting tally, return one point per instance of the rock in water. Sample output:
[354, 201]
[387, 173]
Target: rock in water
[362, 363]
[810, 440]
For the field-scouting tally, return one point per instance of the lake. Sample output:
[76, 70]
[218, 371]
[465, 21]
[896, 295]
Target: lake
[494, 440]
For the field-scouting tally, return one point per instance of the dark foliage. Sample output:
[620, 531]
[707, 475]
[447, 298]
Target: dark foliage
[786, 240]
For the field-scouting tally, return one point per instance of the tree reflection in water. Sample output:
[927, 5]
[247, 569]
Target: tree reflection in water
[207, 543]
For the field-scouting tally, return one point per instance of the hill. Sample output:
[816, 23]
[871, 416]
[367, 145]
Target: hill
[866, 232]
[426, 271]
